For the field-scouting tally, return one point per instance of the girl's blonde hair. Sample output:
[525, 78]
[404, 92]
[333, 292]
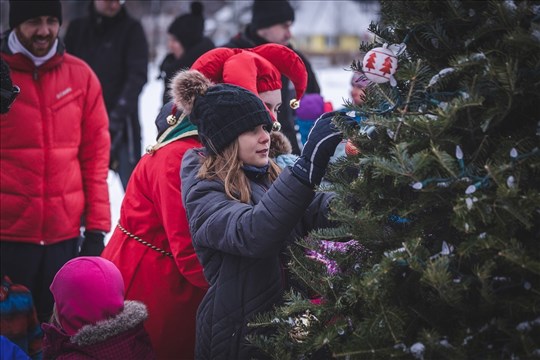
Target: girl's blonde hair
[227, 167]
[54, 320]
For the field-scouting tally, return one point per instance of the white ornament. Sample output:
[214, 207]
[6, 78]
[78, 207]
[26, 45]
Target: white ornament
[380, 65]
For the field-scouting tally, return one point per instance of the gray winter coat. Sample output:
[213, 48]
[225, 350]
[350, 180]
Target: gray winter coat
[239, 246]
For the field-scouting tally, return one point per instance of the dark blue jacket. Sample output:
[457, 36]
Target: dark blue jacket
[240, 247]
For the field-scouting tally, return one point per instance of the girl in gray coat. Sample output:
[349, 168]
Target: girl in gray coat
[242, 209]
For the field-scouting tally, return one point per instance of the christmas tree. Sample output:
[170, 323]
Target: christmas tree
[438, 254]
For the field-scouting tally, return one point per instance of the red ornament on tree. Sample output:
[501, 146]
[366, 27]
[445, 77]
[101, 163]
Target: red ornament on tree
[380, 64]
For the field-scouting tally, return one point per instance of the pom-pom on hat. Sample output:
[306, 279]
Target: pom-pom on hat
[22, 10]
[221, 112]
[86, 290]
[257, 69]
[189, 28]
[269, 13]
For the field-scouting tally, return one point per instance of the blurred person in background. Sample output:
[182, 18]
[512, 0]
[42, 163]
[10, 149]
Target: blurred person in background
[114, 45]
[186, 42]
[271, 22]
[312, 106]
[54, 154]
[359, 84]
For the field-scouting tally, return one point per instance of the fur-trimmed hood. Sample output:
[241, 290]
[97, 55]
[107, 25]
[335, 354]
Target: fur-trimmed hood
[279, 144]
[133, 314]
[120, 337]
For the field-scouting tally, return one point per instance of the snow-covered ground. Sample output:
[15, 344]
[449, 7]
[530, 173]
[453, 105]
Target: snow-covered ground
[334, 83]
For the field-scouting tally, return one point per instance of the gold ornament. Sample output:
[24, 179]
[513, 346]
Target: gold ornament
[295, 104]
[301, 325]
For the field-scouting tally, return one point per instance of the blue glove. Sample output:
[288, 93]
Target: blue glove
[321, 144]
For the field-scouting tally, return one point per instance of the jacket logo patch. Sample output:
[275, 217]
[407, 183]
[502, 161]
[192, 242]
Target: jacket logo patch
[63, 93]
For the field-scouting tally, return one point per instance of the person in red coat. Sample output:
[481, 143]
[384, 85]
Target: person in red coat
[54, 154]
[151, 244]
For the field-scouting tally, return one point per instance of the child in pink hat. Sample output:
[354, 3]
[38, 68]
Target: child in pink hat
[91, 318]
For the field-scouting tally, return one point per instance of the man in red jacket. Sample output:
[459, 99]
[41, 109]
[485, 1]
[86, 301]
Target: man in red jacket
[54, 154]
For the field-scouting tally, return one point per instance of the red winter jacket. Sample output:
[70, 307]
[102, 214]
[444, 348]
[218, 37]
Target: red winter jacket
[54, 152]
[171, 288]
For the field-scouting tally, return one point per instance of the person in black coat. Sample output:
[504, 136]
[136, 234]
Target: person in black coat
[186, 43]
[114, 45]
[243, 210]
[270, 23]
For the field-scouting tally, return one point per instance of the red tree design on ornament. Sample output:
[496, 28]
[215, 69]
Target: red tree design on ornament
[370, 63]
[387, 66]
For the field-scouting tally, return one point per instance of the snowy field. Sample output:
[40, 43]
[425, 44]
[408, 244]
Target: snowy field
[334, 83]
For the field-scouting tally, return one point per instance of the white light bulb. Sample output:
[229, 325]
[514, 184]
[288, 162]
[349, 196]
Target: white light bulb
[459, 152]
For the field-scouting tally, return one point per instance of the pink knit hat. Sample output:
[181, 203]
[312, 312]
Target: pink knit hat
[86, 290]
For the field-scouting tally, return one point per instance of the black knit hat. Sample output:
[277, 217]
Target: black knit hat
[225, 112]
[189, 28]
[22, 10]
[268, 13]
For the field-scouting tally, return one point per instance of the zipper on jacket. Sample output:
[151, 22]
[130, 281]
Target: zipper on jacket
[35, 74]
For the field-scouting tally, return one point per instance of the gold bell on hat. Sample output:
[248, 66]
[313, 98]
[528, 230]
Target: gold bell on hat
[150, 149]
[172, 120]
[276, 126]
[295, 104]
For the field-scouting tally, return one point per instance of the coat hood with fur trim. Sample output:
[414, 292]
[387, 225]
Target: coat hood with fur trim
[133, 314]
[122, 336]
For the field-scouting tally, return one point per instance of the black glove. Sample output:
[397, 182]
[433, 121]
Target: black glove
[321, 144]
[9, 91]
[93, 243]
[117, 124]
